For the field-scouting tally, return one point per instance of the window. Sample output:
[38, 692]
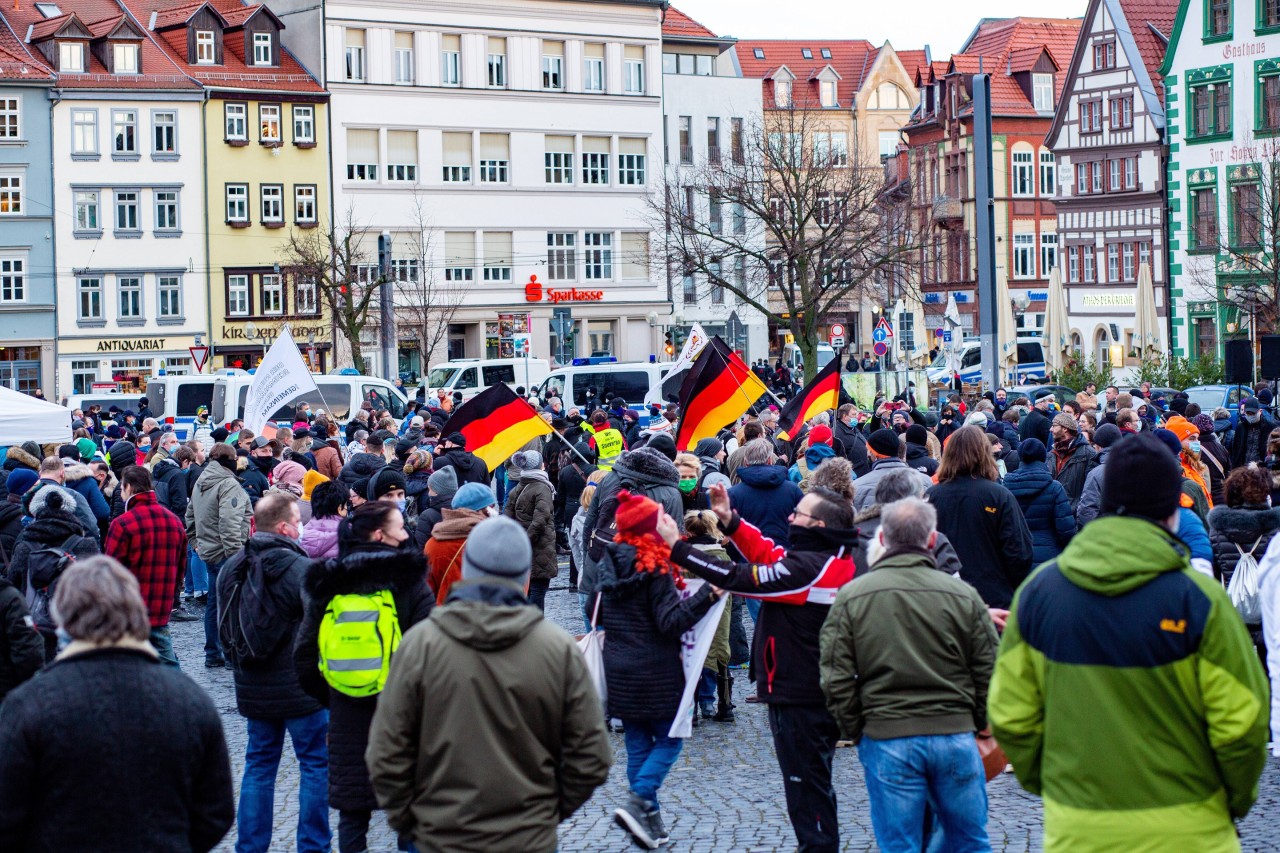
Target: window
[237, 202]
[635, 255]
[304, 125]
[1127, 267]
[1024, 255]
[307, 295]
[806, 53]
[558, 159]
[1210, 109]
[713, 281]
[829, 147]
[1204, 218]
[738, 216]
[1091, 116]
[562, 261]
[354, 55]
[262, 49]
[597, 254]
[1073, 264]
[459, 260]
[1218, 21]
[10, 117]
[1023, 173]
[497, 256]
[686, 139]
[86, 204]
[689, 288]
[304, 204]
[1087, 265]
[1246, 215]
[83, 375]
[402, 155]
[1104, 55]
[164, 132]
[169, 295]
[71, 57]
[1113, 263]
[272, 294]
[89, 297]
[1222, 108]
[451, 60]
[826, 53]
[206, 49]
[758, 53]
[13, 279]
[457, 158]
[272, 198]
[166, 202]
[1269, 14]
[1042, 92]
[553, 65]
[735, 140]
[888, 143]
[237, 124]
[593, 68]
[633, 70]
[631, 154]
[595, 160]
[782, 93]
[827, 93]
[127, 211]
[124, 132]
[124, 58]
[1269, 106]
[404, 58]
[1048, 253]
[362, 155]
[84, 132]
[1144, 254]
[1121, 113]
[269, 123]
[238, 295]
[495, 158]
[669, 63]
[10, 193]
[497, 63]
[130, 292]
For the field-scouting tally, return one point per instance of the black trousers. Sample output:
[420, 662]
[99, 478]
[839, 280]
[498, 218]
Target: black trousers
[804, 737]
[353, 829]
[538, 591]
[739, 648]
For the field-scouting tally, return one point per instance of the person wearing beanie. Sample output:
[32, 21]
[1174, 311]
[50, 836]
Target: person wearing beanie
[644, 616]
[532, 505]
[1071, 458]
[1213, 454]
[884, 449]
[916, 443]
[664, 443]
[21, 458]
[818, 447]
[1121, 616]
[1105, 437]
[442, 485]
[468, 468]
[465, 508]
[458, 701]
[1249, 444]
[388, 485]
[712, 454]
[1193, 469]
[1043, 502]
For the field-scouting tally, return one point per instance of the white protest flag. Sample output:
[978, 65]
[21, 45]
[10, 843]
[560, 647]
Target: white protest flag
[281, 378]
[696, 643]
[693, 345]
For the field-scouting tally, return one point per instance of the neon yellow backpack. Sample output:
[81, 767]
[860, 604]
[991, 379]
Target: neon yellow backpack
[358, 635]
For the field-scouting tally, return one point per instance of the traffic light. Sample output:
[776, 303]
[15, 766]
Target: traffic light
[670, 346]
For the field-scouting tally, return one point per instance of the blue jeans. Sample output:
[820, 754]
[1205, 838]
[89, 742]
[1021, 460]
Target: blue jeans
[753, 607]
[706, 690]
[212, 646]
[162, 642]
[650, 756]
[258, 788]
[945, 771]
[197, 577]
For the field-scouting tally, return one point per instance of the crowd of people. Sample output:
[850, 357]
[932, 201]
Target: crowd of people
[1039, 577]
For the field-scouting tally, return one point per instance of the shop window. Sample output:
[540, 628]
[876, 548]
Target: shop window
[83, 375]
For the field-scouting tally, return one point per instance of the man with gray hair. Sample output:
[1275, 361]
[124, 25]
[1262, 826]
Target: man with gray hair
[119, 708]
[896, 486]
[915, 691]
[487, 704]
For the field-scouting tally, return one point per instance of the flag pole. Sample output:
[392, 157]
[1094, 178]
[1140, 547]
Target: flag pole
[572, 449]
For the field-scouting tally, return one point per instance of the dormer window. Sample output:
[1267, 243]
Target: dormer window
[126, 58]
[1042, 92]
[206, 49]
[71, 57]
[827, 92]
[262, 49]
[782, 93]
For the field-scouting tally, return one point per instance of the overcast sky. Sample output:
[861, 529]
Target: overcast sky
[941, 24]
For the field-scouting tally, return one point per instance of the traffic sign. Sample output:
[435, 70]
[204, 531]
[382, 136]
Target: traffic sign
[939, 333]
[837, 343]
[946, 336]
[888, 329]
[880, 347]
[199, 357]
[880, 335]
[836, 332]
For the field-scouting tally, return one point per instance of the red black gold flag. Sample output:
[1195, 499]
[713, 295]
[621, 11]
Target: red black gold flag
[496, 423]
[717, 390]
[818, 396]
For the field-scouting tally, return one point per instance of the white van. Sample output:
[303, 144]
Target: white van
[473, 375]
[340, 396]
[1031, 364]
[104, 399]
[792, 358]
[174, 399]
[609, 377]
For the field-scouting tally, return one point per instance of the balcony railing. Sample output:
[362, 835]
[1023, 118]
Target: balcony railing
[947, 209]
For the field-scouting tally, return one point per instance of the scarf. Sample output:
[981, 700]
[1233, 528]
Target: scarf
[822, 539]
[1191, 469]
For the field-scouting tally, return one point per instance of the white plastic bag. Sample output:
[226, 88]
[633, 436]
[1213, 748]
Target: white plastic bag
[1243, 589]
[592, 645]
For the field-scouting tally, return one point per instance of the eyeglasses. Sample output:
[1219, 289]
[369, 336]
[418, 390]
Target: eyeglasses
[795, 513]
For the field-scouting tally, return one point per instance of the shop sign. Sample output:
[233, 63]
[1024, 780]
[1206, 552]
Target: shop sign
[535, 292]
[1108, 300]
[239, 333]
[136, 345]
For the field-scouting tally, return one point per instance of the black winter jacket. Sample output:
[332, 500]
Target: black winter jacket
[1035, 425]
[1046, 509]
[855, 446]
[360, 466]
[256, 477]
[918, 458]
[171, 482]
[82, 768]
[1075, 469]
[51, 529]
[466, 465]
[10, 528]
[1246, 432]
[983, 521]
[644, 472]
[1243, 526]
[429, 517]
[644, 618]
[366, 568]
[269, 571]
[21, 647]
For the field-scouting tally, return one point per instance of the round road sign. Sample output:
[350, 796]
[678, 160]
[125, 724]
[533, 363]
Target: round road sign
[880, 335]
[880, 348]
[937, 333]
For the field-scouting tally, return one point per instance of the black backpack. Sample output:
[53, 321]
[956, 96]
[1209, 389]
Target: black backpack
[44, 567]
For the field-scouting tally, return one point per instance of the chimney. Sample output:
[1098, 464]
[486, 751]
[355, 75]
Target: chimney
[151, 25]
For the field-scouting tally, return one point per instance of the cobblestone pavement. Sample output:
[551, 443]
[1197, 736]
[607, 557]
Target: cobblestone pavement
[724, 794]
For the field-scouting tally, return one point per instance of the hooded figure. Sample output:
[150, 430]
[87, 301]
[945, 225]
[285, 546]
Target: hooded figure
[27, 456]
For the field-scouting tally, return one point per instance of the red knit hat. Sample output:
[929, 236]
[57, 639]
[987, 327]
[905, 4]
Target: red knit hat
[637, 515]
[821, 434]
[637, 524]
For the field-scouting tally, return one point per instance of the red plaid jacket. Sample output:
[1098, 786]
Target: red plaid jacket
[151, 542]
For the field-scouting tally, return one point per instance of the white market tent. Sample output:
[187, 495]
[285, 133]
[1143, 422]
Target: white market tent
[24, 418]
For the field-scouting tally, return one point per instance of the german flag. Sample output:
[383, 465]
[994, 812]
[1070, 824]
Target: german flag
[496, 423]
[818, 396]
[718, 389]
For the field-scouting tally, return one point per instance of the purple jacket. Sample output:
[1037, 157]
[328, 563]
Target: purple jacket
[320, 537]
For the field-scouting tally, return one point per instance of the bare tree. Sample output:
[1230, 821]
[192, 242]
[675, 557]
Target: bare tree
[791, 223]
[346, 277]
[425, 301]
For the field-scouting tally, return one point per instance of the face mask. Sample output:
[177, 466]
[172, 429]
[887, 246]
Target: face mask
[491, 511]
[1193, 446]
[687, 485]
[1253, 417]
[401, 504]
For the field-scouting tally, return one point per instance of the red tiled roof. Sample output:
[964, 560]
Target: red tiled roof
[103, 28]
[912, 60]
[1025, 58]
[237, 16]
[1142, 15]
[1003, 42]
[178, 15]
[47, 27]
[158, 70]
[677, 24]
[17, 62]
[849, 58]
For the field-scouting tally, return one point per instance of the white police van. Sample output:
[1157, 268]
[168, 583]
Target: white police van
[603, 377]
[1031, 364]
[470, 376]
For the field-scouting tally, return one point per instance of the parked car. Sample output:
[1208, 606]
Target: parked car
[1035, 392]
[1210, 397]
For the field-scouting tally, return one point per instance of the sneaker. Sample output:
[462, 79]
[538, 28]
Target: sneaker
[202, 598]
[707, 710]
[656, 828]
[633, 816]
[214, 661]
[181, 614]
